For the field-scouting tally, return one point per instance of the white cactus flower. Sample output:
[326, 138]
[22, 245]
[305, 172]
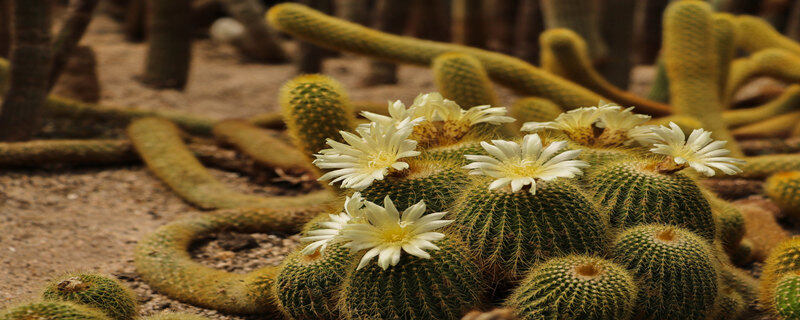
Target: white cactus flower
[699, 151]
[519, 165]
[368, 157]
[398, 115]
[622, 120]
[385, 234]
[329, 231]
[576, 120]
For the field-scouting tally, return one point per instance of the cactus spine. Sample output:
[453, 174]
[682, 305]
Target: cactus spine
[94, 290]
[784, 189]
[461, 78]
[636, 194]
[53, 310]
[315, 108]
[438, 183]
[575, 287]
[512, 230]
[787, 297]
[673, 265]
[264, 146]
[783, 259]
[445, 286]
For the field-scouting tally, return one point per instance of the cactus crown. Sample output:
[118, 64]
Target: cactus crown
[606, 125]
[381, 230]
[522, 164]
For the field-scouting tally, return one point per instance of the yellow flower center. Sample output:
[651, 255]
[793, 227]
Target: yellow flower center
[395, 234]
[382, 160]
[521, 168]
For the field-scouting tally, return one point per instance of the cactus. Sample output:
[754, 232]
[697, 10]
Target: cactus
[175, 316]
[575, 287]
[94, 290]
[689, 58]
[445, 286]
[390, 16]
[160, 146]
[778, 126]
[264, 146]
[581, 16]
[638, 194]
[782, 260]
[729, 222]
[766, 165]
[315, 108]
[687, 123]
[674, 267]
[512, 230]
[311, 25]
[258, 43]
[731, 305]
[307, 286]
[52, 310]
[564, 53]
[784, 189]
[62, 107]
[724, 33]
[76, 152]
[163, 261]
[740, 281]
[533, 109]
[774, 62]
[787, 297]
[771, 146]
[461, 78]
[788, 101]
[169, 51]
[756, 34]
[31, 59]
[438, 183]
[659, 91]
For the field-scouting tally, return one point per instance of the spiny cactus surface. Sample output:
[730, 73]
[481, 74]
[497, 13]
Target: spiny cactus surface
[53, 310]
[97, 291]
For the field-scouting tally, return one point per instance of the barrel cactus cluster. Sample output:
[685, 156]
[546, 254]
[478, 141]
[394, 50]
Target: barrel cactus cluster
[579, 201]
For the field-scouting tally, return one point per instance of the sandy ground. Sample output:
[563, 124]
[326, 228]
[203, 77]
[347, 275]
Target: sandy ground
[52, 221]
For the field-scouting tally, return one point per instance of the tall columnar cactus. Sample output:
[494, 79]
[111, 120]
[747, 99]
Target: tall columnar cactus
[756, 34]
[787, 297]
[677, 275]
[169, 51]
[315, 108]
[784, 189]
[564, 53]
[53, 310]
[94, 290]
[445, 286]
[581, 16]
[782, 260]
[575, 287]
[637, 194]
[162, 259]
[323, 30]
[724, 33]
[461, 78]
[690, 61]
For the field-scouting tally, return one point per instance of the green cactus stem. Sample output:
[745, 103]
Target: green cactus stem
[262, 145]
[784, 189]
[52, 310]
[461, 78]
[94, 290]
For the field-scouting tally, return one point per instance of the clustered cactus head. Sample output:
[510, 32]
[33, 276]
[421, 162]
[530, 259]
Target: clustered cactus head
[519, 165]
[606, 125]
